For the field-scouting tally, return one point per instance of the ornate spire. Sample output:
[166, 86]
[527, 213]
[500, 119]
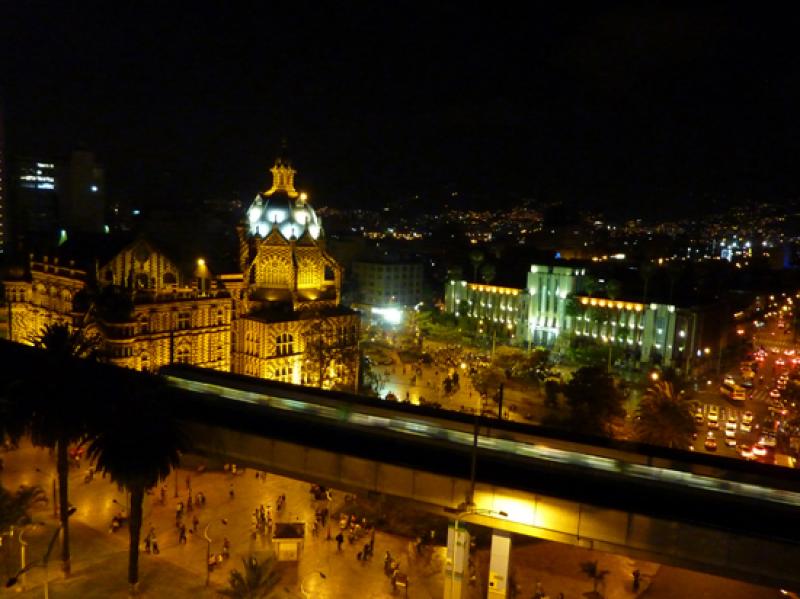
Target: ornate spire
[282, 174]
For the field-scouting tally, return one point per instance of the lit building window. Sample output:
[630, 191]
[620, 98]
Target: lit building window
[284, 344]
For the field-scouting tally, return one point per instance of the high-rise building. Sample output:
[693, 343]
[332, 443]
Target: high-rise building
[388, 282]
[81, 204]
[3, 206]
[49, 200]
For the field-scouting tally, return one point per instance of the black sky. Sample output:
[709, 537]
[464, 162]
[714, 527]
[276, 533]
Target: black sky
[620, 105]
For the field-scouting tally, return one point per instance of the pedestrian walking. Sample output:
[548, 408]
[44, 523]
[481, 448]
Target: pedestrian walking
[182, 534]
[154, 546]
[147, 544]
[339, 541]
[195, 523]
[231, 492]
[189, 503]
[366, 551]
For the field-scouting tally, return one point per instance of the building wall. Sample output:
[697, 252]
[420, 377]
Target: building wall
[288, 351]
[548, 290]
[551, 309]
[384, 284]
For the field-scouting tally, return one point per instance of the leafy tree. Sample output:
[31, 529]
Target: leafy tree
[331, 352]
[258, 579]
[56, 406]
[551, 389]
[593, 401]
[590, 285]
[486, 380]
[374, 378]
[594, 573]
[137, 445]
[664, 418]
[15, 508]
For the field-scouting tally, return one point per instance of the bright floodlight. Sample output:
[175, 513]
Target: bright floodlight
[390, 315]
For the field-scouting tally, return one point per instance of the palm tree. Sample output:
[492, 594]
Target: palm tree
[646, 271]
[257, 581]
[613, 289]
[590, 285]
[476, 257]
[674, 272]
[56, 406]
[664, 418]
[595, 575]
[488, 272]
[15, 508]
[137, 446]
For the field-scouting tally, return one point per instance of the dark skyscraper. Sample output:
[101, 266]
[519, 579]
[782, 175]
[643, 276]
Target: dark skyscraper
[3, 207]
[51, 199]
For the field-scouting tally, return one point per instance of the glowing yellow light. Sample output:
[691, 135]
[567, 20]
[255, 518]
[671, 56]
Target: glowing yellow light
[201, 262]
[584, 300]
[654, 376]
[602, 303]
[593, 301]
[303, 196]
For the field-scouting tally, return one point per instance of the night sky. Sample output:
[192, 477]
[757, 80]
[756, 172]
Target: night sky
[613, 107]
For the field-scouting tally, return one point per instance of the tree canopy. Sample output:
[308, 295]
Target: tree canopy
[593, 401]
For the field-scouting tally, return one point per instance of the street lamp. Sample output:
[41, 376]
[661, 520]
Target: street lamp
[14, 579]
[465, 509]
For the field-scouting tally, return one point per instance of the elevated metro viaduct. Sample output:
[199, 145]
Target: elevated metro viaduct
[716, 515]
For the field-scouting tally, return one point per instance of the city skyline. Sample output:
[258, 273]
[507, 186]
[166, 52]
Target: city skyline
[595, 108]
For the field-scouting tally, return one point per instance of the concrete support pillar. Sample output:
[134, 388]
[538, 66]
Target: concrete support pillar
[456, 573]
[498, 565]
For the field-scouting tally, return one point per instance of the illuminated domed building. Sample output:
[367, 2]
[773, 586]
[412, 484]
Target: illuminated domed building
[290, 323]
[279, 317]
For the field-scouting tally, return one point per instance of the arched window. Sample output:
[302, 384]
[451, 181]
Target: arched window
[109, 275]
[169, 279]
[183, 355]
[284, 344]
[144, 360]
[142, 281]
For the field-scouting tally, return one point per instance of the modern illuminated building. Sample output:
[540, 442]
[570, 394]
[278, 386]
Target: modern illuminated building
[555, 310]
[277, 316]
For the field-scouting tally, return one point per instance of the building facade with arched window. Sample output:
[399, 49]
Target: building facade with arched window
[276, 314]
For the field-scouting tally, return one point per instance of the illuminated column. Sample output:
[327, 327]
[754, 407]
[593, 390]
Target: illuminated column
[498, 565]
[457, 563]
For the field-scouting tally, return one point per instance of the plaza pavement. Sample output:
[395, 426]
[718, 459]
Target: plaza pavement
[99, 557]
